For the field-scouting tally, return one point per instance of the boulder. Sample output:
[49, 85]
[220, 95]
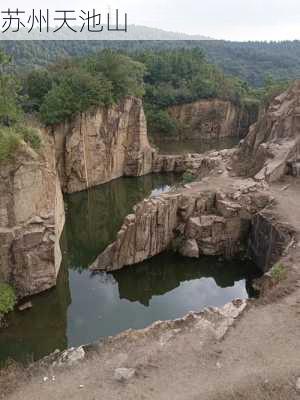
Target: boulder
[189, 248]
[124, 374]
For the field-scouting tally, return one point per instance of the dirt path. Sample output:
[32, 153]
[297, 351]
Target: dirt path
[259, 357]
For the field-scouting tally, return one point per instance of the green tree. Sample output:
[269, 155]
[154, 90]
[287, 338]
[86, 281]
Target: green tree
[36, 85]
[74, 94]
[10, 110]
[125, 74]
[160, 122]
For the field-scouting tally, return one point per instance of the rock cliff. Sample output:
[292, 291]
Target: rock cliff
[31, 219]
[272, 146]
[268, 239]
[196, 221]
[210, 119]
[99, 146]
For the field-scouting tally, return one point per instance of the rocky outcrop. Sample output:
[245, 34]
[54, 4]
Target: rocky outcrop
[202, 163]
[272, 146]
[268, 239]
[196, 221]
[99, 146]
[211, 119]
[31, 219]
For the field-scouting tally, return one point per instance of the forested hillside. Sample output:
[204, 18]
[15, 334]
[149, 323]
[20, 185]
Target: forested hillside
[163, 78]
[58, 91]
[251, 61]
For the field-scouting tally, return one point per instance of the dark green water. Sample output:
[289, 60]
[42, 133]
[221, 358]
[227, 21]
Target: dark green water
[84, 307]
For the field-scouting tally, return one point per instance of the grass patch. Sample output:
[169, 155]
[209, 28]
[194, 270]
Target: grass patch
[30, 136]
[279, 272]
[8, 299]
[9, 142]
[188, 177]
[11, 137]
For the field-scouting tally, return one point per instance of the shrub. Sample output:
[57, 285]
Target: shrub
[188, 177]
[160, 122]
[74, 94]
[30, 136]
[36, 85]
[10, 139]
[9, 142]
[7, 299]
[278, 272]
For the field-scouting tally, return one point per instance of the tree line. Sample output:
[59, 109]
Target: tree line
[57, 92]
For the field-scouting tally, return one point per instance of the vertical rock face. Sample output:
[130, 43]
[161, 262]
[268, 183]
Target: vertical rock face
[273, 143]
[268, 240]
[97, 147]
[210, 119]
[31, 220]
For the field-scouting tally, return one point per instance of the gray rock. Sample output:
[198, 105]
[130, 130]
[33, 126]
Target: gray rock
[190, 249]
[25, 306]
[70, 357]
[124, 374]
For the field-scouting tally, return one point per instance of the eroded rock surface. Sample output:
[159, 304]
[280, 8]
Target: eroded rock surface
[272, 146]
[31, 220]
[99, 146]
[202, 164]
[210, 119]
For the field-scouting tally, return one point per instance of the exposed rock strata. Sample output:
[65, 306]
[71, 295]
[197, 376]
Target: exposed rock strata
[211, 119]
[198, 221]
[31, 220]
[272, 146]
[99, 146]
[202, 163]
[268, 239]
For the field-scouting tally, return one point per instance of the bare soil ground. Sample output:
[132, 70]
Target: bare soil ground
[258, 358]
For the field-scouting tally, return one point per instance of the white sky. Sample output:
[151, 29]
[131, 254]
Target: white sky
[220, 19]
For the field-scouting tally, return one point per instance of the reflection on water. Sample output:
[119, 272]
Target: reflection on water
[165, 287]
[42, 329]
[194, 146]
[167, 271]
[84, 307]
[94, 217]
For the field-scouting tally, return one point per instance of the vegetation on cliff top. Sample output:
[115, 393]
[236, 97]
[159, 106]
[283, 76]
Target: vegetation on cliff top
[72, 87]
[164, 78]
[12, 129]
[183, 76]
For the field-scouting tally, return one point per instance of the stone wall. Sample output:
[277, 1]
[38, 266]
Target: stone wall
[31, 219]
[99, 146]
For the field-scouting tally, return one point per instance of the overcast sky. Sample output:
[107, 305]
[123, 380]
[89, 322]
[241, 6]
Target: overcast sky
[220, 19]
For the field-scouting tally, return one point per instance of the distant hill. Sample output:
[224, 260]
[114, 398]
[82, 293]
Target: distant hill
[134, 32]
[251, 61]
